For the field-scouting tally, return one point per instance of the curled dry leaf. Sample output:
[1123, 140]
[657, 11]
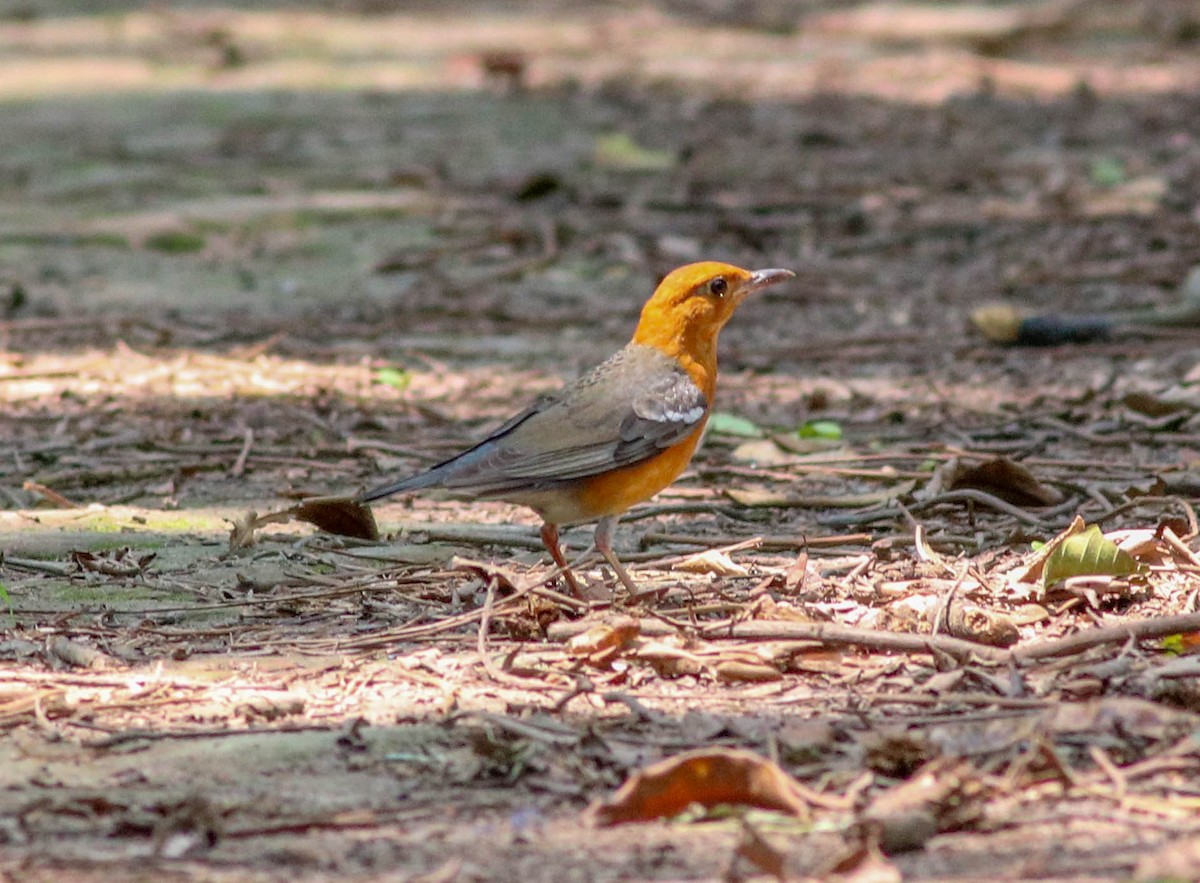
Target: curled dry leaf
[605, 639]
[117, 563]
[973, 623]
[344, 516]
[708, 777]
[712, 561]
[1005, 479]
[669, 660]
[75, 654]
[241, 534]
[506, 579]
[737, 670]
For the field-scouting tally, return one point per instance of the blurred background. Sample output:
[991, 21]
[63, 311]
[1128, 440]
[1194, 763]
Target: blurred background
[201, 201]
[253, 251]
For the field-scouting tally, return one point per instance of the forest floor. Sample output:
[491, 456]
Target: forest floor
[252, 254]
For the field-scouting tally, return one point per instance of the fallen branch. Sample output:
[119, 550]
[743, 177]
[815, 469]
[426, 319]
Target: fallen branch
[822, 632]
[956, 648]
[1139, 630]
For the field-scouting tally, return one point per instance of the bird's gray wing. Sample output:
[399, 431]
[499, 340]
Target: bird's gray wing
[628, 409]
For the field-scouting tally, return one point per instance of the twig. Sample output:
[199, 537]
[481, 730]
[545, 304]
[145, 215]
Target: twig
[1120, 784]
[964, 698]
[868, 516]
[973, 495]
[1158, 502]
[54, 568]
[239, 465]
[956, 648]
[1181, 548]
[489, 666]
[826, 633]
[767, 542]
[1140, 630]
[429, 629]
[124, 736]
[50, 494]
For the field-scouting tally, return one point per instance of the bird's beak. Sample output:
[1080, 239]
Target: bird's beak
[762, 278]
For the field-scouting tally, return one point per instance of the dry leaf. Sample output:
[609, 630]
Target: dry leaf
[75, 654]
[754, 497]
[973, 623]
[1007, 480]
[708, 777]
[762, 452]
[1156, 406]
[343, 516]
[712, 561]
[506, 579]
[118, 562]
[241, 534]
[669, 661]
[734, 670]
[616, 633]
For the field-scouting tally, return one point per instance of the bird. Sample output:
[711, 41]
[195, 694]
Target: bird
[620, 433]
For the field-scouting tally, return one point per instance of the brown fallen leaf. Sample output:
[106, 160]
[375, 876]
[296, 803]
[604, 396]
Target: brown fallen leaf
[116, 562]
[605, 640]
[973, 623]
[1007, 480]
[669, 660]
[741, 671]
[344, 516]
[75, 654]
[708, 777]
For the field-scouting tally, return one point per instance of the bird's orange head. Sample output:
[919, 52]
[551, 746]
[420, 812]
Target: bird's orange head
[692, 304]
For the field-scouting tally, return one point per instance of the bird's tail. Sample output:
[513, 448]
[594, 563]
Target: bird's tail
[412, 483]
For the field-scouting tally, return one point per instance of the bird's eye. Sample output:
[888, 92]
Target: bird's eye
[718, 287]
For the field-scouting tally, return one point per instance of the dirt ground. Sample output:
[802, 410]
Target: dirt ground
[253, 253]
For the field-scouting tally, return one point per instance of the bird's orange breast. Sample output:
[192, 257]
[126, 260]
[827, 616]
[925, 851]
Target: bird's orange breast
[611, 493]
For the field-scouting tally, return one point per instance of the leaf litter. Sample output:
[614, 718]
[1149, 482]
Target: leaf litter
[853, 613]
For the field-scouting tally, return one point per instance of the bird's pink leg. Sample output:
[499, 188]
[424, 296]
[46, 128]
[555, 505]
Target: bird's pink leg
[604, 536]
[550, 540]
